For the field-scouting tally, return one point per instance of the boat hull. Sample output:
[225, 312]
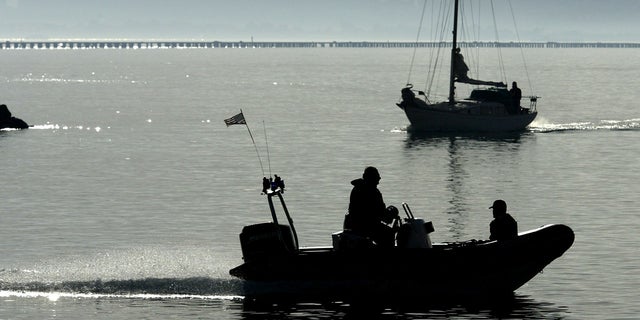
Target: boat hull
[446, 270]
[464, 117]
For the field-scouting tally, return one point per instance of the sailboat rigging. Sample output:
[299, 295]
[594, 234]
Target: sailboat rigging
[489, 108]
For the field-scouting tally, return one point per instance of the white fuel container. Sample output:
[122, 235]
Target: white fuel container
[414, 233]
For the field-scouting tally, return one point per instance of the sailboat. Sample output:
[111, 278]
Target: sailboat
[489, 108]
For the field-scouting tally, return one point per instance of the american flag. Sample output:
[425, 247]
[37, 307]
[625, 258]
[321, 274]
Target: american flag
[237, 119]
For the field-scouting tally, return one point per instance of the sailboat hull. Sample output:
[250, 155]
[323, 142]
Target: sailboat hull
[464, 117]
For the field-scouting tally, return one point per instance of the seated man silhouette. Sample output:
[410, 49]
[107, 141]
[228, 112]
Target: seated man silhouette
[503, 226]
[460, 67]
[367, 211]
[460, 70]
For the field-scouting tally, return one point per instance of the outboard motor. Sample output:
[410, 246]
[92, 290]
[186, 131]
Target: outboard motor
[266, 239]
[270, 238]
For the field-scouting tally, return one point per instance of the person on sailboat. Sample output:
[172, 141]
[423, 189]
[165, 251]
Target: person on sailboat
[460, 67]
[367, 210]
[516, 95]
[460, 70]
[503, 226]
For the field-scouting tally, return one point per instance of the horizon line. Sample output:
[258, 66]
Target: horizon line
[293, 41]
[201, 44]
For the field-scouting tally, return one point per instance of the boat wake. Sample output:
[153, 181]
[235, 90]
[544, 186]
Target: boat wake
[149, 272]
[50, 126]
[541, 125]
[49, 78]
[148, 288]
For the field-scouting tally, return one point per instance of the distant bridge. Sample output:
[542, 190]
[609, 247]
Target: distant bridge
[109, 44]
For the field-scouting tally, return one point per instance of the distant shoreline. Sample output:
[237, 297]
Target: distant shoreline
[155, 44]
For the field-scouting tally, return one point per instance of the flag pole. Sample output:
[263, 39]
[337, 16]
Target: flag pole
[254, 143]
[239, 119]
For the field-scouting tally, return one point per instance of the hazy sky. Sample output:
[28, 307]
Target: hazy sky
[304, 20]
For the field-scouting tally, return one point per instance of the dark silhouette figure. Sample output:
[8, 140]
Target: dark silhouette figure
[516, 95]
[503, 226]
[367, 210]
[460, 70]
[7, 121]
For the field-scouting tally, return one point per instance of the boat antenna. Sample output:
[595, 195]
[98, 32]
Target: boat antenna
[524, 61]
[454, 43]
[239, 119]
[415, 48]
[267, 143]
[500, 59]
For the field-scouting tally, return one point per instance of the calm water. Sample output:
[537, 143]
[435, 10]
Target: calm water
[125, 199]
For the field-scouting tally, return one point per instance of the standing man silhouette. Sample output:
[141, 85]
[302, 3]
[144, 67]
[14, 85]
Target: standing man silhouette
[516, 95]
[367, 210]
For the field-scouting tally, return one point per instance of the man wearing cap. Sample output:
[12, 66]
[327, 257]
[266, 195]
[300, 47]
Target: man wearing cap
[503, 226]
[367, 209]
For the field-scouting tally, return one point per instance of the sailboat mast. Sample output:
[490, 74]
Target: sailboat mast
[454, 42]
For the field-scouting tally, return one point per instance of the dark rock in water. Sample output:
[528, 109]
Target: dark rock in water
[7, 121]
